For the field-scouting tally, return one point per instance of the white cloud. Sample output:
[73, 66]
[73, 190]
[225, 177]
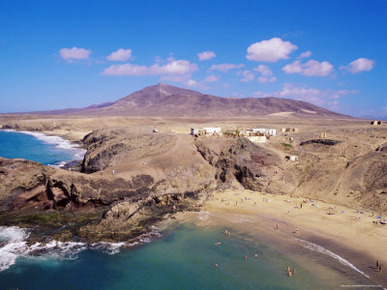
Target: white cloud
[305, 54]
[247, 76]
[211, 78]
[173, 67]
[359, 65]
[266, 74]
[263, 79]
[224, 67]
[312, 95]
[74, 53]
[270, 50]
[120, 55]
[206, 55]
[310, 68]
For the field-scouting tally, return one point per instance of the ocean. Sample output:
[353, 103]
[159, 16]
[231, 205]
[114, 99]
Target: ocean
[174, 255]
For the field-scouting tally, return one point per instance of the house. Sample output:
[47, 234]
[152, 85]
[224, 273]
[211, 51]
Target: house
[208, 131]
[214, 131]
[288, 129]
[291, 158]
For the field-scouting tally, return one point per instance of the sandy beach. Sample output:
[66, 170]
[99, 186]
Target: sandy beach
[347, 232]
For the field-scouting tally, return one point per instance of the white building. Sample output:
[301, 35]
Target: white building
[213, 130]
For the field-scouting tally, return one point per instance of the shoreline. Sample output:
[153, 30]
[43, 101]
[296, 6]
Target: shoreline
[350, 235]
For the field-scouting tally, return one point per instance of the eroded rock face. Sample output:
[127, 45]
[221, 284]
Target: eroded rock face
[239, 159]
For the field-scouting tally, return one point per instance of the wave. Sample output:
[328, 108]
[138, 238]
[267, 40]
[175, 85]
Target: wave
[59, 143]
[317, 248]
[13, 245]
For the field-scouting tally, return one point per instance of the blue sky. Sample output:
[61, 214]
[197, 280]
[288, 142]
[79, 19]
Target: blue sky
[63, 54]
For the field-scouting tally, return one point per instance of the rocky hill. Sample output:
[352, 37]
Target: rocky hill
[163, 100]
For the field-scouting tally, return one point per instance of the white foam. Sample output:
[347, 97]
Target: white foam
[320, 249]
[59, 142]
[12, 245]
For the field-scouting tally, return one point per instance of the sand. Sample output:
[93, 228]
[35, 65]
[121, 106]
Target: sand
[345, 231]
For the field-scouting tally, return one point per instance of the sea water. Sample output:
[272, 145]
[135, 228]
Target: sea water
[180, 256]
[48, 150]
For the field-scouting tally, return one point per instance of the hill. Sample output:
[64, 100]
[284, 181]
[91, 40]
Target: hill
[163, 100]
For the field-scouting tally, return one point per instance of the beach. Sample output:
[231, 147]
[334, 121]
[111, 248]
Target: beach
[348, 233]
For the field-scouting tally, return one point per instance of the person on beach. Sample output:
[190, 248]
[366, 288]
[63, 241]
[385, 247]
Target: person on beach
[297, 231]
[288, 269]
[277, 227]
[377, 265]
[245, 257]
[216, 266]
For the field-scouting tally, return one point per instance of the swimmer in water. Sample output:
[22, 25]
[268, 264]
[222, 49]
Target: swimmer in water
[216, 265]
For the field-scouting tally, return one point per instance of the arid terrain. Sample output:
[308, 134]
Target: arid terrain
[139, 170]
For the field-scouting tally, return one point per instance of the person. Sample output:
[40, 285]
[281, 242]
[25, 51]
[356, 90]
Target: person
[294, 271]
[114, 171]
[256, 256]
[216, 265]
[296, 230]
[245, 257]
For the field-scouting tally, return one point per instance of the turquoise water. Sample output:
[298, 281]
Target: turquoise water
[48, 150]
[183, 259]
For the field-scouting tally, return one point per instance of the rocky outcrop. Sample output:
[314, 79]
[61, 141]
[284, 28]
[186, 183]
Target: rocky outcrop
[113, 147]
[238, 159]
[327, 142]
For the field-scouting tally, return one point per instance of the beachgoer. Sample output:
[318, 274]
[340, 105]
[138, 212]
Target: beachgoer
[245, 257]
[289, 273]
[288, 269]
[377, 265]
[256, 256]
[216, 265]
[296, 230]
[114, 171]
[277, 227]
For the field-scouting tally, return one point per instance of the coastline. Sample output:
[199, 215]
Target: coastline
[349, 234]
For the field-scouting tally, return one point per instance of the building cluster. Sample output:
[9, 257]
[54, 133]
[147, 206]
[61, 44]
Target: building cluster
[257, 135]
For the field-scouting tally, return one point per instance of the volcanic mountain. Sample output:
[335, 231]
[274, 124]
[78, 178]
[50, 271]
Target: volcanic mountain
[163, 100]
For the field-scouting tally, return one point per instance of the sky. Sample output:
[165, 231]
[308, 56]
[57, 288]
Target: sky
[72, 54]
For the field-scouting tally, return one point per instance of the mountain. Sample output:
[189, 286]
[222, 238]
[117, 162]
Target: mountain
[163, 100]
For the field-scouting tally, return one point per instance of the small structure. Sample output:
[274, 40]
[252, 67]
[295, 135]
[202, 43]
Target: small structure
[288, 129]
[375, 123]
[291, 158]
[323, 135]
[270, 132]
[155, 131]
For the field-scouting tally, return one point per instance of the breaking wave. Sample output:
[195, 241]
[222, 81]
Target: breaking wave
[59, 143]
[13, 245]
[317, 248]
